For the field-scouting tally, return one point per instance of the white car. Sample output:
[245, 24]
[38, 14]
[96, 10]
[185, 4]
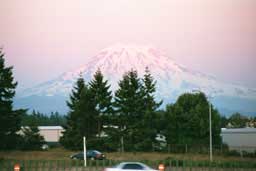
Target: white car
[132, 166]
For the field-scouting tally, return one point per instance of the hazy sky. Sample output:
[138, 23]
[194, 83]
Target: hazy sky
[44, 38]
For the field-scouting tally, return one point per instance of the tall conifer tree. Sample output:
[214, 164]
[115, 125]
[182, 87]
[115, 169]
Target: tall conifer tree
[102, 97]
[129, 109]
[150, 106]
[9, 119]
[71, 134]
[82, 118]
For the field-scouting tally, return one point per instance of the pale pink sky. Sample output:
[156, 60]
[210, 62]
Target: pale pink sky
[43, 38]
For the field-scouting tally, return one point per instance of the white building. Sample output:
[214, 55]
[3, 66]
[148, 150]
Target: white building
[241, 139]
[51, 133]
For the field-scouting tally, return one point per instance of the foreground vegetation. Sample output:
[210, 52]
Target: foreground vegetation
[63, 154]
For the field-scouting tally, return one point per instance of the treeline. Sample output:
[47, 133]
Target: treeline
[40, 119]
[237, 120]
[129, 118]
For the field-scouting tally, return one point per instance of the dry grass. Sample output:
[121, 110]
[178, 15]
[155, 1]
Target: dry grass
[62, 154]
[161, 156]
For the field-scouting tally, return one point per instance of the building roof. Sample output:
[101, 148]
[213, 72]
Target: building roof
[237, 130]
[50, 127]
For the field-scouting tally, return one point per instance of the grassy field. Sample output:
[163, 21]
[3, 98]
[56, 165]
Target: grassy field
[62, 154]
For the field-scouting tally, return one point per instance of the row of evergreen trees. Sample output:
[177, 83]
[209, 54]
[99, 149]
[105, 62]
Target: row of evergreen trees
[40, 119]
[130, 119]
[128, 116]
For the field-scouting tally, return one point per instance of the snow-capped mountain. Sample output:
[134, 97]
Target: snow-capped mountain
[172, 80]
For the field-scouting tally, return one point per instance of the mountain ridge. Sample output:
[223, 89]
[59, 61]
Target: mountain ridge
[172, 78]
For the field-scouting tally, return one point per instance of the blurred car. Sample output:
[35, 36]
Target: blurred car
[45, 147]
[90, 154]
[124, 166]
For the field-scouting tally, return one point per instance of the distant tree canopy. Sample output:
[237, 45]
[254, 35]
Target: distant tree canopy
[187, 121]
[41, 119]
[238, 120]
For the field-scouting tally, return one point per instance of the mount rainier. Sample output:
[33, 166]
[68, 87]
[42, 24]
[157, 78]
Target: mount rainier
[172, 80]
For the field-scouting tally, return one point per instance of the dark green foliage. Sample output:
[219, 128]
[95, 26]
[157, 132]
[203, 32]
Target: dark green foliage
[87, 115]
[38, 118]
[149, 121]
[134, 123]
[82, 118]
[238, 121]
[31, 139]
[188, 121]
[129, 110]
[135, 111]
[9, 119]
[76, 94]
[71, 138]
[224, 121]
[102, 98]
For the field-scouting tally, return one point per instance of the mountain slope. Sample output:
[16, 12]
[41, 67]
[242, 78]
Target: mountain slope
[172, 79]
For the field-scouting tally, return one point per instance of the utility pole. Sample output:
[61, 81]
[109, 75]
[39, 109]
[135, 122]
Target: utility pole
[210, 127]
[85, 152]
[122, 144]
[210, 121]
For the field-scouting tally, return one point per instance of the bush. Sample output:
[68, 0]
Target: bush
[31, 139]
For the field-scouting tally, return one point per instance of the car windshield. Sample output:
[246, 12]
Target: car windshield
[133, 166]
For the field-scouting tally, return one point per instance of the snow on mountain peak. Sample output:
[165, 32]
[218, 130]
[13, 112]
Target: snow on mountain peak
[172, 79]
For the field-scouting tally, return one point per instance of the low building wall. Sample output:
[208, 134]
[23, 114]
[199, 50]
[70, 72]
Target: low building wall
[240, 139]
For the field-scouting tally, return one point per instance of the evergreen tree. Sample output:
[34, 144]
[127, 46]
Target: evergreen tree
[9, 119]
[87, 119]
[102, 97]
[82, 118]
[129, 110]
[43, 119]
[31, 138]
[71, 134]
[149, 123]
[76, 93]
